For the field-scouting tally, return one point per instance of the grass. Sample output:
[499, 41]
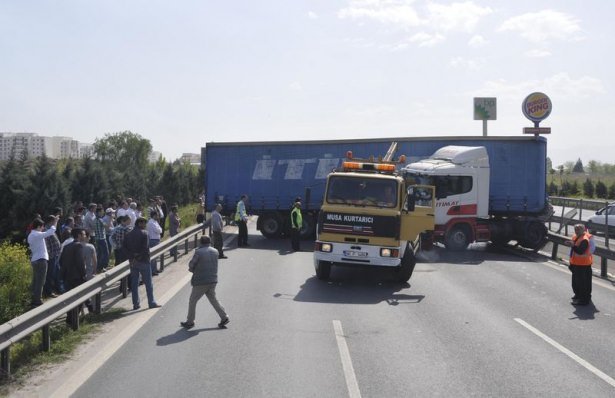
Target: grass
[26, 356]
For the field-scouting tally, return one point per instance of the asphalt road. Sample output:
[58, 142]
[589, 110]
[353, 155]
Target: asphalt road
[476, 323]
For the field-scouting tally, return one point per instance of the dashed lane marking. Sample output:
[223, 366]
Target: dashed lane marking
[569, 353]
[351, 379]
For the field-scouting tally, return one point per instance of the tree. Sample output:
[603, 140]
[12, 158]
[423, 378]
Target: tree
[574, 188]
[601, 190]
[568, 166]
[552, 190]
[578, 167]
[594, 167]
[565, 190]
[124, 150]
[90, 183]
[49, 189]
[612, 191]
[588, 188]
[550, 168]
[14, 197]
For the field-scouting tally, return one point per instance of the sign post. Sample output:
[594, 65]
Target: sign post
[537, 107]
[485, 108]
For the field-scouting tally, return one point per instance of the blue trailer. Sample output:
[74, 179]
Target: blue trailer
[273, 174]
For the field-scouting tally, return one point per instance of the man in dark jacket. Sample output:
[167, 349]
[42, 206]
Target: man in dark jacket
[72, 264]
[204, 268]
[136, 250]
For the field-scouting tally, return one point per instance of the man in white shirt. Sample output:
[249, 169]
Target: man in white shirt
[89, 221]
[123, 210]
[153, 232]
[132, 213]
[39, 258]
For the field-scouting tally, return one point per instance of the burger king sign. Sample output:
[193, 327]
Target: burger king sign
[537, 107]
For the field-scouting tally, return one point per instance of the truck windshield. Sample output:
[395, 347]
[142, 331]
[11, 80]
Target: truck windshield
[377, 192]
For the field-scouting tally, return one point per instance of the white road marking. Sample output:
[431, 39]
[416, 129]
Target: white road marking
[351, 379]
[77, 379]
[566, 351]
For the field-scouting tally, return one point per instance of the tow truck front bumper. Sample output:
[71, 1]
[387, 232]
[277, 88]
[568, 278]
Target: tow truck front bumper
[356, 254]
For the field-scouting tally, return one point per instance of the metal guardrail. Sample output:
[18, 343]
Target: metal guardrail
[604, 253]
[575, 207]
[42, 316]
[585, 204]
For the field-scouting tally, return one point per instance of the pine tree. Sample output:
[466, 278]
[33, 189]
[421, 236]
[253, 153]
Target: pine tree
[601, 190]
[578, 167]
[49, 188]
[574, 188]
[14, 197]
[588, 188]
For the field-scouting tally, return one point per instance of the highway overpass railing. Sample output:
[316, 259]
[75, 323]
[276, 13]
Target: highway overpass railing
[40, 318]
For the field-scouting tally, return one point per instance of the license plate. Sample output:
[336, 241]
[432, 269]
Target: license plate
[352, 253]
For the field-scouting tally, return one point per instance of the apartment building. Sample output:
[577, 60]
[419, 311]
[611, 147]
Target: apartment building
[36, 145]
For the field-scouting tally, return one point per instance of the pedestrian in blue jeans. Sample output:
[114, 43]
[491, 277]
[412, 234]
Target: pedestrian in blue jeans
[39, 257]
[136, 249]
[154, 230]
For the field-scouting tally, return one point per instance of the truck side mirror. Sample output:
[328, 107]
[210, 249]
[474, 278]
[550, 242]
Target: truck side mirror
[410, 201]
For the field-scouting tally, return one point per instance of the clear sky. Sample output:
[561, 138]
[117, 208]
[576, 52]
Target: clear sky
[182, 73]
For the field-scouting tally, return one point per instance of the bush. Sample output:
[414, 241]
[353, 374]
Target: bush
[601, 190]
[15, 279]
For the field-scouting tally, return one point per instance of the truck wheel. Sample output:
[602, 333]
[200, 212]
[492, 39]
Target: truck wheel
[307, 229]
[534, 237]
[271, 226]
[458, 238]
[404, 272]
[323, 270]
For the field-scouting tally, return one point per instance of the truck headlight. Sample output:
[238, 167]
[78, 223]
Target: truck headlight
[323, 247]
[386, 252]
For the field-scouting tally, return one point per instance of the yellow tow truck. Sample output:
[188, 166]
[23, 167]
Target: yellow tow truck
[371, 216]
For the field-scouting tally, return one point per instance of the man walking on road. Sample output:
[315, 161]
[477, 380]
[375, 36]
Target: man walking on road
[204, 268]
[216, 230]
[136, 249]
[241, 217]
[581, 261]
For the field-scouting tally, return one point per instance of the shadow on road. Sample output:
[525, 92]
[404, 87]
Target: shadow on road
[182, 335]
[585, 312]
[357, 286]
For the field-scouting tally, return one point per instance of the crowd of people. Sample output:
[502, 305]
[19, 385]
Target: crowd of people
[66, 251]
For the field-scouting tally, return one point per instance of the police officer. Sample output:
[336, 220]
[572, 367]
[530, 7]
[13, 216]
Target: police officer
[296, 221]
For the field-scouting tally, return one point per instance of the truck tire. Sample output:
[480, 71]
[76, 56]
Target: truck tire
[323, 270]
[535, 236]
[271, 226]
[404, 272]
[458, 238]
[308, 227]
